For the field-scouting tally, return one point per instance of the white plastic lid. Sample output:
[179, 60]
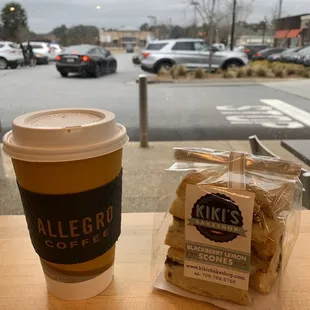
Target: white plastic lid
[81, 290]
[64, 135]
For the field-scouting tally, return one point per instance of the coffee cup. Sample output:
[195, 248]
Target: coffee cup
[68, 165]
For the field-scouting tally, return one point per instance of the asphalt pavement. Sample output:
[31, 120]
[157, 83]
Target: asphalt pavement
[176, 112]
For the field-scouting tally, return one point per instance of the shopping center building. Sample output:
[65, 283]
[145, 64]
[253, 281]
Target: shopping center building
[292, 31]
[122, 37]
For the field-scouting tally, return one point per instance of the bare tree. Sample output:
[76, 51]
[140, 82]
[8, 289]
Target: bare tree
[221, 13]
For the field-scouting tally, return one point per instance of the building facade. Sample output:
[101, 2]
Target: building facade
[292, 31]
[126, 36]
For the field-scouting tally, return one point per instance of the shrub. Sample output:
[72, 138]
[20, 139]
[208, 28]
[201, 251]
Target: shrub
[240, 72]
[261, 71]
[229, 74]
[300, 70]
[249, 71]
[164, 72]
[279, 72]
[178, 71]
[306, 74]
[291, 70]
[200, 74]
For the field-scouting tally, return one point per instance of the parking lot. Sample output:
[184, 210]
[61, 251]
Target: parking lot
[176, 111]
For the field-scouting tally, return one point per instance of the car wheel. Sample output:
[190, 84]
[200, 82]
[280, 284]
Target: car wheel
[97, 72]
[232, 64]
[14, 65]
[83, 73]
[113, 67]
[163, 65]
[64, 74]
[3, 63]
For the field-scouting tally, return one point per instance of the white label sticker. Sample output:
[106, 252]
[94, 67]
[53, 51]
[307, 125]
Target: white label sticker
[218, 232]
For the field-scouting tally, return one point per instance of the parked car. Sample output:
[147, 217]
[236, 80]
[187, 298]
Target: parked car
[219, 46]
[10, 55]
[192, 53]
[56, 50]
[301, 54]
[274, 57]
[252, 49]
[280, 56]
[41, 51]
[129, 48]
[306, 60]
[86, 60]
[263, 54]
[291, 54]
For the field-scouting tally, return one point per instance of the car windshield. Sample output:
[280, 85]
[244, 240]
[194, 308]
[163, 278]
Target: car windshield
[304, 51]
[77, 49]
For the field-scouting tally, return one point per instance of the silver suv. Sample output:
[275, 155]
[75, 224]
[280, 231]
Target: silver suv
[192, 53]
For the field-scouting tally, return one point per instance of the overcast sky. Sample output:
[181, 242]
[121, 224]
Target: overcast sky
[44, 15]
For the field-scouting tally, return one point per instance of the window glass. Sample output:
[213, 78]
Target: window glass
[37, 46]
[201, 46]
[155, 46]
[77, 49]
[184, 46]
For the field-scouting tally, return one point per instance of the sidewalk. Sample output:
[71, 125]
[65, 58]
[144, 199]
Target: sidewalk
[143, 173]
[300, 88]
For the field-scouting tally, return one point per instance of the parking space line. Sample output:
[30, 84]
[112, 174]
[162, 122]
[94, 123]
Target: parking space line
[288, 109]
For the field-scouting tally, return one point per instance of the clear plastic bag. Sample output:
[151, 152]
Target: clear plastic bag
[277, 201]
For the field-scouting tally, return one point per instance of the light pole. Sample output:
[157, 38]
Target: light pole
[154, 21]
[233, 24]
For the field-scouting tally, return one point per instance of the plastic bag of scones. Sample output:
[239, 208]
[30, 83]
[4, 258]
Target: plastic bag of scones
[231, 223]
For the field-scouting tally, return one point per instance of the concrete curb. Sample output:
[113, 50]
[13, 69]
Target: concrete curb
[218, 82]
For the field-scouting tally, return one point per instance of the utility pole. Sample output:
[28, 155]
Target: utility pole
[211, 34]
[264, 30]
[233, 25]
[280, 9]
[170, 28]
[195, 4]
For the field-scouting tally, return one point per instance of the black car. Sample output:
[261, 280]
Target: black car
[263, 54]
[87, 60]
[250, 50]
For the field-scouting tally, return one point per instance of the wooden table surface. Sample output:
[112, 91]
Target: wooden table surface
[22, 284]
